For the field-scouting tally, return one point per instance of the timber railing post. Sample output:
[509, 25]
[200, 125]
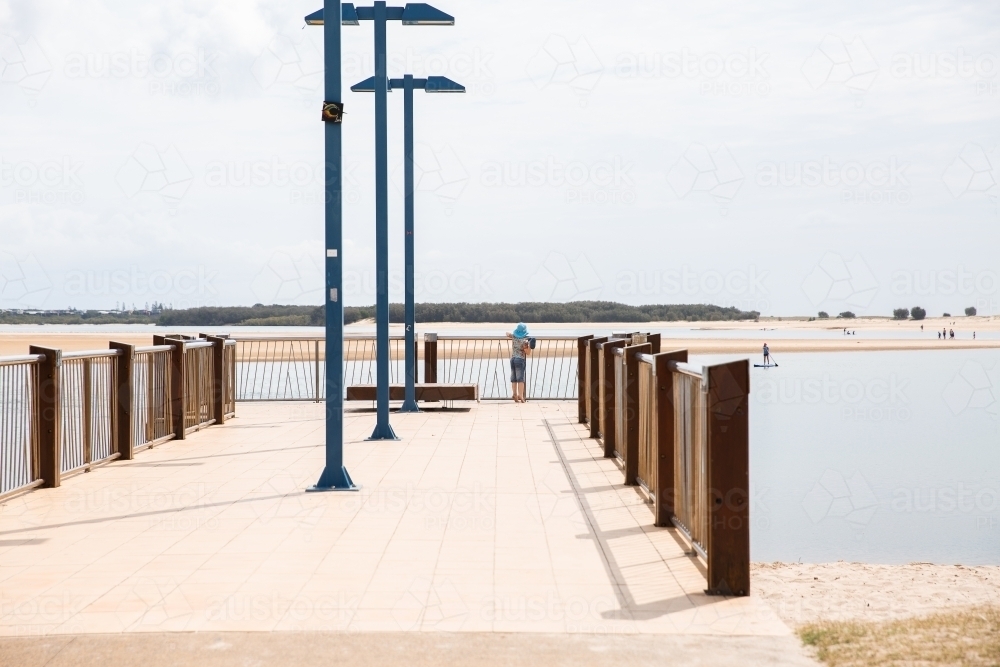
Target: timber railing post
[630, 448]
[430, 358]
[729, 479]
[49, 415]
[606, 391]
[594, 379]
[581, 377]
[219, 378]
[178, 386]
[663, 376]
[123, 399]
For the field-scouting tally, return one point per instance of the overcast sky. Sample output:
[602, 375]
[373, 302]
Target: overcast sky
[782, 157]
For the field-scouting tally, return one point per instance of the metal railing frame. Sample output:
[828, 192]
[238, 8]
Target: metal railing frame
[272, 368]
[62, 413]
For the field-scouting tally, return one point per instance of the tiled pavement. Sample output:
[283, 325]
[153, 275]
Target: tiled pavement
[492, 518]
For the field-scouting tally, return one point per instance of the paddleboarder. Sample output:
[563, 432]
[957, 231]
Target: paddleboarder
[767, 355]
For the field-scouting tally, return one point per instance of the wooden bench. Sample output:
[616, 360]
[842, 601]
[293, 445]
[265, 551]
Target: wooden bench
[425, 391]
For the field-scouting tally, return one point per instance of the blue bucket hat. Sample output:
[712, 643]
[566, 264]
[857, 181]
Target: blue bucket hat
[521, 331]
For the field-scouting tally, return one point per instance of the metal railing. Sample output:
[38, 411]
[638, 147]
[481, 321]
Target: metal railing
[87, 390]
[61, 413]
[229, 364]
[293, 368]
[691, 512]
[198, 378]
[19, 422]
[550, 370]
[152, 420]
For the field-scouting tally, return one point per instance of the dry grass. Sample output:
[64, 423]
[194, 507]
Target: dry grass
[967, 637]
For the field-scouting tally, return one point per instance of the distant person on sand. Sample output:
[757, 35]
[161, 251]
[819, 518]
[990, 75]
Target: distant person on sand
[520, 349]
[952, 333]
[939, 335]
[767, 355]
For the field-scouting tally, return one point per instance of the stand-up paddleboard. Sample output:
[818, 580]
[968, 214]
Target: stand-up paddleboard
[765, 365]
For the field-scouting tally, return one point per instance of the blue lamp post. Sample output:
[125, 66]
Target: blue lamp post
[335, 476]
[411, 14]
[432, 84]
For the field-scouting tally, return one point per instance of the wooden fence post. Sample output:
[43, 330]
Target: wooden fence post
[219, 377]
[663, 495]
[654, 340]
[630, 448]
[178, 386]
[49, 415]
[607, 389]
[124, 398]
[729, 479]
[581, 377]
[594, 380]
[430, 358]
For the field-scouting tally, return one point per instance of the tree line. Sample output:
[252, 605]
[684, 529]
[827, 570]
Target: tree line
[277, 315]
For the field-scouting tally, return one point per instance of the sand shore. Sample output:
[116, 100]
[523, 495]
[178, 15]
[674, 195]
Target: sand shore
[13, 341]
[805, 593]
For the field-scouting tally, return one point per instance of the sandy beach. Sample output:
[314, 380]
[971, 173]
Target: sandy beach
[804, 593]
[14, 341]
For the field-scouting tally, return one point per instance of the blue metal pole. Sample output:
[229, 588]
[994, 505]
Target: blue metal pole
[409, 402]
[335, 475]
[383, 431]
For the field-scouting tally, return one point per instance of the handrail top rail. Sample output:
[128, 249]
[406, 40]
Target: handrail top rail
[645, 358]
[91, 354]
[21, 359]
[153, 348]
[503, 338]
[281, 339]
[196, 344]
[694, 370]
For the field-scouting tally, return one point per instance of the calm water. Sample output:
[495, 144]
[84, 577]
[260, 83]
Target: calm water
[886, 457]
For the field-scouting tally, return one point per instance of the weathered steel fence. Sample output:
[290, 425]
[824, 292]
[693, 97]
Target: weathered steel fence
[681, 434]
[63, 413]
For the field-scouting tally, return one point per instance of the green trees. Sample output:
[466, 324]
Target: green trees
[918, 313]
[823, 315]
[900, 313]
[970, 311]
[847, 315]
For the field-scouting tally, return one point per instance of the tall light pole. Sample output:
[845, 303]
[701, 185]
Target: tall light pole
[334, 476]
[432, 84]
[411, 14]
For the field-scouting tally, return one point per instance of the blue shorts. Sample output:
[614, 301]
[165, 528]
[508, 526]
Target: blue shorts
[517, 369]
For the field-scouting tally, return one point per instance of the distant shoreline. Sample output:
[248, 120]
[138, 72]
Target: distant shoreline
[874, 335]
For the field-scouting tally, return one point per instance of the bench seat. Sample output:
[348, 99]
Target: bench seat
[425, 391]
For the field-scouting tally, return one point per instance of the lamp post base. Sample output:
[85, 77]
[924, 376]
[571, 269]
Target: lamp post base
[333, 479]
[409, 405]
[383, 433]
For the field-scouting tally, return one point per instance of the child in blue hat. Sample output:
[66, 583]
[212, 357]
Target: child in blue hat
[520, 349]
